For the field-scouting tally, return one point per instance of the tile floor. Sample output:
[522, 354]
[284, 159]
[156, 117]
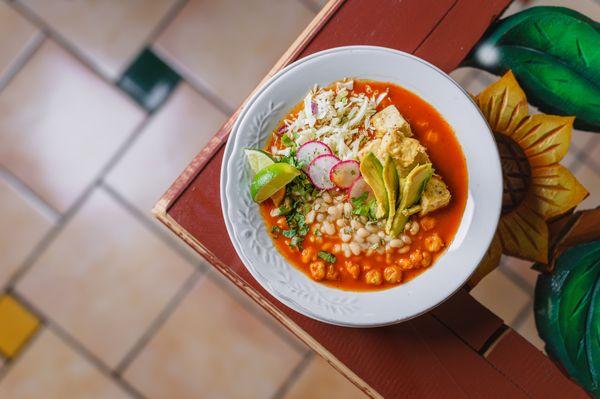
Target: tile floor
[125, 309]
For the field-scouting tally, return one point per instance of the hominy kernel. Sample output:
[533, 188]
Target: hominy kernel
[415, 258]
[310, 217]
[426, 259]
[404, 264]
[406, 239]
[372, 228]
[326, 197]
[373, 277]
[345, 237]
[332, 273]
[340, 222]
[353, 269]
[306, 255]
[355, 248]
[433, 243]
[332, 210]
[317, 270]
[320, 217]
[392, 274]
[274, 212]
[427, 223]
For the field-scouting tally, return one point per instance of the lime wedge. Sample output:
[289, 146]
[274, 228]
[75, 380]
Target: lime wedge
[271, 179]
[258, 159]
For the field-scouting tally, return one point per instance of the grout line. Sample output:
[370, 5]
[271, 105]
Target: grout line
[310, 5]
[165, 20]
[151, 225]
[293, 376]
[75, 345]
[30, 196]
[195, 83]
[22, 58]
[255, 310]
[74, 208]
[515, 278]
[72, 50]
[158, 322]
[520, 318]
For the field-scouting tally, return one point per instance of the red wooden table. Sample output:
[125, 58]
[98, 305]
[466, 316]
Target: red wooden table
[458, 350]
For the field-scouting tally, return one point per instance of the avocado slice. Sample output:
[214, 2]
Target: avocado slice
[392, 183]
[372, 172]
[411, 191]
[414, 185]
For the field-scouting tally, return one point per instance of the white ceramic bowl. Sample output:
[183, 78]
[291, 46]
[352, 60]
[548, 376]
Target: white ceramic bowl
[362, 309]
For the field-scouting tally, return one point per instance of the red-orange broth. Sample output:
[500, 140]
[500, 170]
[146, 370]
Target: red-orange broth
[445, 152]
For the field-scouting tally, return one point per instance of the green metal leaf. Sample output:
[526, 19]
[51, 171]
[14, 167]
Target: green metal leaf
[567, 313]
[555, 54]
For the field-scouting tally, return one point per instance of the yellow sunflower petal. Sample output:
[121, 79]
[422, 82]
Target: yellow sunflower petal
[524, 234]
[503, 104]
[490, 261]
[545, 139]
[554, 190]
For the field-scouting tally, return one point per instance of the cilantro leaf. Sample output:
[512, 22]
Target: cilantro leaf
[327, 256]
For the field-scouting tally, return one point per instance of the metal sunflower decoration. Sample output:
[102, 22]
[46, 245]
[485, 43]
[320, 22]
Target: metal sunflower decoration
[536, 187]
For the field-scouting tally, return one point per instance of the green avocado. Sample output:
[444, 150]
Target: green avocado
[411, 190]
[372, 172]
[392, 183]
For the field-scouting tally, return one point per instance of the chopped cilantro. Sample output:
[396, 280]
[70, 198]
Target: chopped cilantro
[290, 233]
[287, 141]
[362, 206]
[327, 256]
[296, 242]
[276, 230]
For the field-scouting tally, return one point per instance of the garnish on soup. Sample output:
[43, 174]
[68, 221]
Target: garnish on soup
[362, 185]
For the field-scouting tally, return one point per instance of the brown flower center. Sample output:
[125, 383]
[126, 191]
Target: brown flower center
[516, 172]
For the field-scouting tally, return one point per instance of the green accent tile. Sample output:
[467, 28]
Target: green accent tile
[148, 80]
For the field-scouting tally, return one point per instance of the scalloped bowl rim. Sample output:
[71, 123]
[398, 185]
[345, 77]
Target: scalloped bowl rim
[479, 220]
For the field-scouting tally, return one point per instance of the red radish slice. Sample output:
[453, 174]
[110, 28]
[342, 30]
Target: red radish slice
[309, 151]
[358, 188]
[344, 173]
[319, 169]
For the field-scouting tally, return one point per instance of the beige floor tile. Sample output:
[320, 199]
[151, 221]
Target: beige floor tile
[580, 142]
[321, 381]
[51, 369]
[229, 45]
[22, 228]
[111, 46]
[212, 347]
[169, 142]
[520, 269]
[590, 8]
[16, 33]
[501, 295]
[105, 278]
[591, 181]
[529, 331]
[60, 124]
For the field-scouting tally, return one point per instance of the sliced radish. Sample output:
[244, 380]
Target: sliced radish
[344, 173]
[309, 151]
[358, 188]
[319, 169]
